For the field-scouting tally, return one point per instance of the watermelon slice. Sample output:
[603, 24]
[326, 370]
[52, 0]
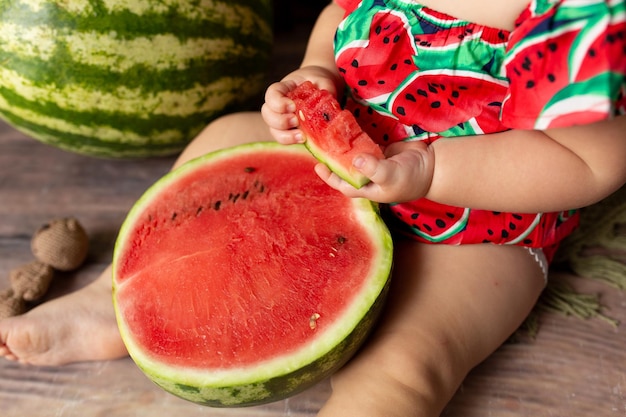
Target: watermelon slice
[241, 278]
[331, 134]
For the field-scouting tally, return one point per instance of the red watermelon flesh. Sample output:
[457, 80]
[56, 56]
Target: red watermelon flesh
[331, 134]
[244, 267]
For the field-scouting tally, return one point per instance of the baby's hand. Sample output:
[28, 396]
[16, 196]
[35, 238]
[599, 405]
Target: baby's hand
[278, 111]
[405, 175]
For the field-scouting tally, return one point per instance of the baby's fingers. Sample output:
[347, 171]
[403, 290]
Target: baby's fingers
[287, 137]
[276, 97]
[377, 170]
[277, 120]
[334, 181]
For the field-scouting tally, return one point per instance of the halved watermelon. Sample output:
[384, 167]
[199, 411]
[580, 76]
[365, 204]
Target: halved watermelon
[332, 135]
[241, 278]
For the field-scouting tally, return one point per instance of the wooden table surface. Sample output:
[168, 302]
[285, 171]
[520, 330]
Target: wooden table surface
[573, 368]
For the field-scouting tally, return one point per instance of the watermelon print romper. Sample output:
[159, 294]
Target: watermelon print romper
[412, 73]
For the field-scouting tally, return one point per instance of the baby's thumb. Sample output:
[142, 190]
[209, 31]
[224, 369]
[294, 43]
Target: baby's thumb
[367, 165]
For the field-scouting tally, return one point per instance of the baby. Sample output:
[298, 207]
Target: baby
[509, 112]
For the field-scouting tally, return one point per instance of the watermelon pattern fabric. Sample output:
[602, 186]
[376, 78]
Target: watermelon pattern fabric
[413, 73]
[129, 78]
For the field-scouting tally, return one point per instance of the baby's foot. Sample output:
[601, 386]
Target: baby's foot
[80, 326]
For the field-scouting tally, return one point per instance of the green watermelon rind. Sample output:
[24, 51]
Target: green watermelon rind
[349, 175]
[278, 378]
[129, 79]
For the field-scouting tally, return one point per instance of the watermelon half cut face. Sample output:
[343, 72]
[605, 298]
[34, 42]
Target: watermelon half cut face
[241, 278]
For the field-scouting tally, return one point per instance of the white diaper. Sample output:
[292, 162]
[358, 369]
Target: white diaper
[540, 258]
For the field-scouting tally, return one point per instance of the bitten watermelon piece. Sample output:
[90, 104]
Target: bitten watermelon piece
[331, 134]
[241, 278]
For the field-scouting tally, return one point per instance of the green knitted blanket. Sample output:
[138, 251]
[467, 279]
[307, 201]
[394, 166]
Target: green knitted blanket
[596, 250]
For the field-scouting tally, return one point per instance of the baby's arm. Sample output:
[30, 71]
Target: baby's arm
[318, 66]
[515, 171]
[532, 171]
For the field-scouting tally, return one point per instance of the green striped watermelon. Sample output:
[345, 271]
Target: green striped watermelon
[128, 78]
[242, 278]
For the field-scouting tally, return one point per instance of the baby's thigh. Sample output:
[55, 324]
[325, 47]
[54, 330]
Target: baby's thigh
[227, 131]
[473, 294]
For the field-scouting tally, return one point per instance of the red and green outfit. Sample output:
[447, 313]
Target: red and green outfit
[416, 74]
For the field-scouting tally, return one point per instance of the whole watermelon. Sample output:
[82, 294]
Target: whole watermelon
[128, 78]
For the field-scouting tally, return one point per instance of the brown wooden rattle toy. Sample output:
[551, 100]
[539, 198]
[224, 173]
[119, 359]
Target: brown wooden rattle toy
[62, 245]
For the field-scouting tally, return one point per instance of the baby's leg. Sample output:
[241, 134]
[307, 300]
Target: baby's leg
[81, 326]
[450, 307]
